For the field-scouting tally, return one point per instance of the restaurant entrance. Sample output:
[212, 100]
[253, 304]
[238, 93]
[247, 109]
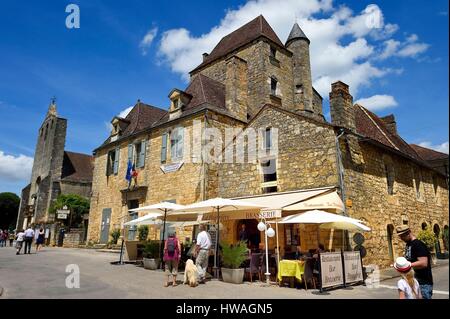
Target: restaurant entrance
[251, 232]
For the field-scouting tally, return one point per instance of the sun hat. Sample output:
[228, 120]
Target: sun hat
[402, 265]
[403, 229]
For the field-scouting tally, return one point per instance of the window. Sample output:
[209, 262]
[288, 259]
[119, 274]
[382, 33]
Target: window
[390, 178]
[132, 215]
[176, 143]
[273, 86]
[269, 171]
[299, 89]
[136, 153]
[112, 166]
[273, 52]
[164, 147]
[267, 138]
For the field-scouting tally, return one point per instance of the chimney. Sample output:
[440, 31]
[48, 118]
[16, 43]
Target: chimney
[205, 55]
[236, 86]
[341, 106]
[390, 123]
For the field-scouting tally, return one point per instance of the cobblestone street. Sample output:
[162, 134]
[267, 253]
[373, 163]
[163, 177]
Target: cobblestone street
[43, 275]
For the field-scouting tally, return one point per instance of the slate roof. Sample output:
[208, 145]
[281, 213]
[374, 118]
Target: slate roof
[77, 167]
[296, 33]
[254, 29]
[428, 154]
[370, 125]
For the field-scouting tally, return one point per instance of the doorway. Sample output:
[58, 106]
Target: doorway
[253, 234]
[106, 221]
[132, 215]
[390, 232]
[437, 233]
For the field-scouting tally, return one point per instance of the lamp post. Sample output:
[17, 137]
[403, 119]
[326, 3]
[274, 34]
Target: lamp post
[268, 232]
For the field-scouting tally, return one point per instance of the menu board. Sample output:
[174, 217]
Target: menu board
[331, 272]
[353, 267]
[212, 232]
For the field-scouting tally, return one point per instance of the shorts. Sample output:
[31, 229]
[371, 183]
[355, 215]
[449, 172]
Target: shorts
[19, 244]
[171, 267]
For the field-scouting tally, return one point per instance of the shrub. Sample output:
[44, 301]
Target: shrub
[234, 255]
[115, 234]
[143, 232]
[445, 237]
[428, 238]
[151, 249]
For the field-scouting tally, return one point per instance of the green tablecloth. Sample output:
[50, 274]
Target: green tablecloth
[291, 268]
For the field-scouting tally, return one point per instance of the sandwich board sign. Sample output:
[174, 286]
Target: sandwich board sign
[331, 270]
[352, 267]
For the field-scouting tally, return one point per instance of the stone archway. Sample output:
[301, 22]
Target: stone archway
[424, 226]
[445, 240]
[390, 233]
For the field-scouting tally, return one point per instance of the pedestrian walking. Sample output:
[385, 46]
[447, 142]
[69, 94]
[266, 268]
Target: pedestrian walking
[1, 238]
[202, 252]
[40, 239]
[408, 286]
[417, 253]
[29, 234]
[11, 238]
[172, 255]
[19, 241]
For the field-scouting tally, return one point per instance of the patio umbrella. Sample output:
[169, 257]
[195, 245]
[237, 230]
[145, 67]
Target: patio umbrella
[144, 220]
[159, 208]
[217, 205]
[325, 220]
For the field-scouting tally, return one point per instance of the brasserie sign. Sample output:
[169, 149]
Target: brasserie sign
[353, 267]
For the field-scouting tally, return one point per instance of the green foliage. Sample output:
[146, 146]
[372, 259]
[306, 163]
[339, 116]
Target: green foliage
[151, 249]
[234, 255]
[78, 206]
[143, 232]
[428, 238]
[9, 209]
[115, 234]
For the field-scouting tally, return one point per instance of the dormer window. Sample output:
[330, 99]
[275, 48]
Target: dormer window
[178, 99]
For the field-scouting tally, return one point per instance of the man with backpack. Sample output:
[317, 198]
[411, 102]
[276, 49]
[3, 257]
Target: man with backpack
[172, 255]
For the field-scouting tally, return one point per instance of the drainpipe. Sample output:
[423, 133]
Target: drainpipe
[340, 168]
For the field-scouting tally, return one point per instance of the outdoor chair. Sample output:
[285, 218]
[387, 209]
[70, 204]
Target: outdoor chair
[255, 266]
[308, 275]
[273, 267]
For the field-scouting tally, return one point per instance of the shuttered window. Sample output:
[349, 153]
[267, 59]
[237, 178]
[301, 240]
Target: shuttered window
[164, 148]
[176, 143]
[116, 161]
[140, 153]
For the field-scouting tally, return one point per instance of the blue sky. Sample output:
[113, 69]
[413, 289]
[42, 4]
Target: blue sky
[141, 50]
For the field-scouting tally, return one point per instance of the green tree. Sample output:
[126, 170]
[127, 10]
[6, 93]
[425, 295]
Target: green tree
[77, 205]
[9, 209]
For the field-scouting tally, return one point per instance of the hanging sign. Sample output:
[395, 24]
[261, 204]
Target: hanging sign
[352, 267]
[62, 213]
[331, 271]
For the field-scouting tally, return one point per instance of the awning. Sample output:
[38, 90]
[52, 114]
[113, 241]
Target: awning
[300, 200]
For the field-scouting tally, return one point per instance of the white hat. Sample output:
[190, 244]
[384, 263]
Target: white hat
[402, 265]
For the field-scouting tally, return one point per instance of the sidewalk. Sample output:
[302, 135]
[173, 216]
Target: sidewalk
[390, 273]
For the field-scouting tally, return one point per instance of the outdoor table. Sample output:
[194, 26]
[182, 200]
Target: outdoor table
[291, 268]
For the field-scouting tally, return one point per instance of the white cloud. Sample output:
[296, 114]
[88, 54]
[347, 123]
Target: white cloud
[146, 42]
[14, 168]
[125, 112]
[444, 147]
[378, 102]
[409, 48]
[344, 45]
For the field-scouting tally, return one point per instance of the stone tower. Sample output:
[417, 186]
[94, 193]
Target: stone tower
[298, 44]
[47, 165]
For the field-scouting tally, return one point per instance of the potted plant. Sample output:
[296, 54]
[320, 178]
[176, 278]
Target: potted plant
[232, 258]
[115, 234]
[429, 239]
[151, 255]
[143, 232]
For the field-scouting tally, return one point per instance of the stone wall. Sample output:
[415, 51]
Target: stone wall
[368, 199]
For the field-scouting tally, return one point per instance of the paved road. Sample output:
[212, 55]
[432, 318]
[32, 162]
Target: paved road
[43, 275]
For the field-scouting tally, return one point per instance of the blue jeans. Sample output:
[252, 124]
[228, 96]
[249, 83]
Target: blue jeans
[427, 291]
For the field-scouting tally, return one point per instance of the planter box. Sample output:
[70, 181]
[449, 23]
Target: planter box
[151, 263]
[234, 276]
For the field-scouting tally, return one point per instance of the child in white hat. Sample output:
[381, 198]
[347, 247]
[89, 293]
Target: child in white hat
[408, 286]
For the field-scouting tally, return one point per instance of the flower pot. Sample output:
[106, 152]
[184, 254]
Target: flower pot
[151, 263]
[234, 276]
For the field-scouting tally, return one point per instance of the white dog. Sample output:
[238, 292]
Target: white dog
[190, 273]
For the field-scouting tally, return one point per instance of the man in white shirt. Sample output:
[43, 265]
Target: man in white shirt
[19, 241]
[29, 235]
[202, 252]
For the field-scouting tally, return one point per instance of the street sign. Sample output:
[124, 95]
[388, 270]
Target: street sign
[62, 216]
[62, 213]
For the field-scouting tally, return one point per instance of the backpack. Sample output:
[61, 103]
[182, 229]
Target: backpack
[171, 246]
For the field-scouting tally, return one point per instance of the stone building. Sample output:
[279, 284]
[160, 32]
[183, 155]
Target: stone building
[55, 171]
[253, 95]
